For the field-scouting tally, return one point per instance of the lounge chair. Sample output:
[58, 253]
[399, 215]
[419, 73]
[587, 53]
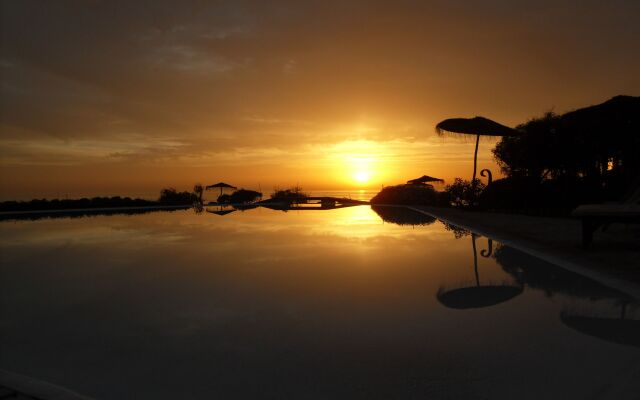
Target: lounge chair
[595, 215]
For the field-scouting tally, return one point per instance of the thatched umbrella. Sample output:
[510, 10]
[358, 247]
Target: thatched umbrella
[478, 126]
[479, 295]
[608, 131]
[221, 210]
[222, 186]
[424, 179]
[616, 115]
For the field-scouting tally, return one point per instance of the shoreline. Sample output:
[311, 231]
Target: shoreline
[89, 210]
[557, 241]
[159, 207]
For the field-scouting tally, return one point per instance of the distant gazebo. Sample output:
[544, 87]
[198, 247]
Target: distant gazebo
[220, 185]
[423, 180]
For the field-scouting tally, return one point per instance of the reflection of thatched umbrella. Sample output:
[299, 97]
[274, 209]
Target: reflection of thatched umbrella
[616, 330]
[479, 295]
[221, 212]
[220, 185]
[424, 179]
[478, 126]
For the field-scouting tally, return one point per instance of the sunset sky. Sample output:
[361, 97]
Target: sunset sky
[127, 97]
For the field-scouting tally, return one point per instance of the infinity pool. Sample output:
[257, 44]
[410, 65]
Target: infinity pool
[319, 304]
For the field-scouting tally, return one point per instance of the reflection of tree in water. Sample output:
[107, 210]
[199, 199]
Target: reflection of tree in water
[198, 207]
[620, 329]
[72, 214]
[614, 325]
[457, 231]
[480, 295]
[402, 216]
[541, 275]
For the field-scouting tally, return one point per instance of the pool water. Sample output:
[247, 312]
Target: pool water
[311, 304]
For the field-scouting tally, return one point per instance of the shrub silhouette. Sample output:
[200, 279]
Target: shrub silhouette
[462, 192]
[198, 190]
[172, 196]
[292, 195]
[68, 204]
[408, 194]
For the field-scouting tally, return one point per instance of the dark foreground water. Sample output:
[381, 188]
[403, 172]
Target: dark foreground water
[303, 305]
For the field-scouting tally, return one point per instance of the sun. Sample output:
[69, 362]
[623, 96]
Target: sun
[362, 176]
[358, 166]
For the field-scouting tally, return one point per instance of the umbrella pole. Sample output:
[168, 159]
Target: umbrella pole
[475, 161]
[475, 258]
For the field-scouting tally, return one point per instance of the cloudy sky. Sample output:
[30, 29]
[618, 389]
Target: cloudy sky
[127, 97]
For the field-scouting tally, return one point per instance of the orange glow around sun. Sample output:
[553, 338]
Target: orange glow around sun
[358, 163]
[362, 176]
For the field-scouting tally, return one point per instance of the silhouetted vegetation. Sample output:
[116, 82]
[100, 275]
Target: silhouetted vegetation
[409, 195]
[68, 204]
[291, 195]
[198, 190]
[457, 231]
[172, 196]
[548, 197]
[560, 161]
[241, 196]
[552, 163]
[539, 274]
[463, 193]
[168, 197]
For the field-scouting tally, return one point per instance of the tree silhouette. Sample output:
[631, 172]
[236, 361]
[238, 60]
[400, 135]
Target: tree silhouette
[198, 189]
[592, 143]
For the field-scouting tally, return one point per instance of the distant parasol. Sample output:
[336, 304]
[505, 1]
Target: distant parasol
[424, 179]
[222, 186]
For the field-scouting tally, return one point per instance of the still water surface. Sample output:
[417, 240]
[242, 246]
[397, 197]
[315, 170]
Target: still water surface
[306, 305]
